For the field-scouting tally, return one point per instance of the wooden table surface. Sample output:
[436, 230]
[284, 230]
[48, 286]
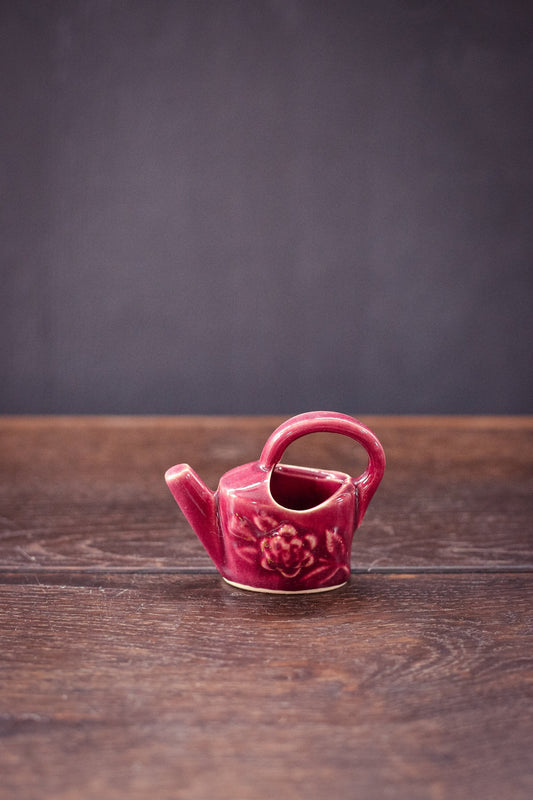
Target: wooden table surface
[129, 669]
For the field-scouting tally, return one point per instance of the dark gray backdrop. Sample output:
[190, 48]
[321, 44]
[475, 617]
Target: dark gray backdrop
[248, 207]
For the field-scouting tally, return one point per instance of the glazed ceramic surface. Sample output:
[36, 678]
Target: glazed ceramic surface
[278, 528]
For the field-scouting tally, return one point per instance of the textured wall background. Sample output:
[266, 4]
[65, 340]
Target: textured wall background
[241, 207]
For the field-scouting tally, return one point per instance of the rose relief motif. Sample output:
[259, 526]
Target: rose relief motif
[287, 552]
[281, 547]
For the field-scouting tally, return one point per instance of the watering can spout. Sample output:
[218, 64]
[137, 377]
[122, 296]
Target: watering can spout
[198, 504]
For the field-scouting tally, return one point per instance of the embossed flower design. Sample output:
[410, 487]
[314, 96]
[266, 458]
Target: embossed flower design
[286, 551]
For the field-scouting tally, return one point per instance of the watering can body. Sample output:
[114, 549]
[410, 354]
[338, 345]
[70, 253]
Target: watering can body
[277, 528]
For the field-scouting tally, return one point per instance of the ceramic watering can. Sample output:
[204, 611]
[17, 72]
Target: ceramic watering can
[271, 527]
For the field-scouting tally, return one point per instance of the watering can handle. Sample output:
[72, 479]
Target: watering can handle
[330, 422]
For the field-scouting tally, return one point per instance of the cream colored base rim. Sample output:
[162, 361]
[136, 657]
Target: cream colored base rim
[284, 591]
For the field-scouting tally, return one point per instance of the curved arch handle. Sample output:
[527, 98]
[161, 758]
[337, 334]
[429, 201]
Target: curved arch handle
[330, 422]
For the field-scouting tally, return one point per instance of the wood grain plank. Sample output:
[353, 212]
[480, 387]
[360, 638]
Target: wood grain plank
[182, 687]
[89, 492]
